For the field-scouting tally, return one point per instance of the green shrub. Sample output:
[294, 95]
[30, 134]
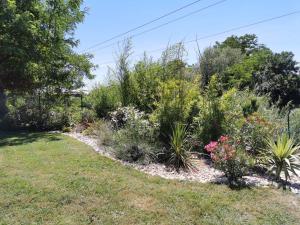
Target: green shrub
[122, 115]
[66, 129]
[209, 124]
[282, 156]
[294, 128]
[253, 133]
[27, 112]
[145, 82]
[175, 104]
[104, 99]
[180, 156]
[137, 139]
[142, 153]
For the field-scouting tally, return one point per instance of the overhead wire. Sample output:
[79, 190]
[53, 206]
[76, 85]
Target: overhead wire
[220, 33]
[143, 25]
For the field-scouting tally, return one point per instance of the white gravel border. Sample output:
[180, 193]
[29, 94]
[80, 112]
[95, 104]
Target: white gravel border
[205, 175]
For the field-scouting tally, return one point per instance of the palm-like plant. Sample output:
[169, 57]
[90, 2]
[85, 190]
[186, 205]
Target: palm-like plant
[180, 154]
[283, 156]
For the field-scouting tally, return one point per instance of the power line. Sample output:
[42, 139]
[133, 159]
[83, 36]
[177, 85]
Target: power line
[222, 32]
[143, 25]
[164, 24]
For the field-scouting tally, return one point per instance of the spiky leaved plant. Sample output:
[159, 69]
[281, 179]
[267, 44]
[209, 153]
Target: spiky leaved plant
[180, 154]
[282, 155]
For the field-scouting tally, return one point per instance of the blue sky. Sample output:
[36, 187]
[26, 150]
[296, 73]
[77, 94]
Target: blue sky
[108, 18]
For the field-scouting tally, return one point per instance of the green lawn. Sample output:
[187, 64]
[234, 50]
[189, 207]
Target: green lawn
[53, 179]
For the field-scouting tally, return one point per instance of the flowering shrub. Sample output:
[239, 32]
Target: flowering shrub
[121, 115]
[253, 133]
[227, 158]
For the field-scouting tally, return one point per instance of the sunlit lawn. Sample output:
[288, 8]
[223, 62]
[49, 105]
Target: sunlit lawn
[53, 179]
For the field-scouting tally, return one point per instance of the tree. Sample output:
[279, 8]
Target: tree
[241, 75]
[36, 47]
[216, 60]
[122, 72]
[247, 43]
[36, 41]
[279, 78]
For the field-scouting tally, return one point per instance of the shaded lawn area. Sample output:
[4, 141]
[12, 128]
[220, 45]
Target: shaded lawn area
[53, 179]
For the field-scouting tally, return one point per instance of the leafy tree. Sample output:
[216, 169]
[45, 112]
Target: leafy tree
[241, 75]
[36, 47]
[215, 61]
[279, 78]
[247, 43]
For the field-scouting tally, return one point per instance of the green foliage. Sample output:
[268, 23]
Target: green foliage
[250, 106]
[137, 139]
[282, 156]
[180, 156]
[253, 132]
[295, 124]
[249, 119]
[247, 43]
[176, 102]
[145, 78]
[122, 73]
[104, 99]
[35, 113]
[241, 75]
[37, 60]
[87, 116]
[279, 79]
[37, 38]
[215, 61]
[209, 124]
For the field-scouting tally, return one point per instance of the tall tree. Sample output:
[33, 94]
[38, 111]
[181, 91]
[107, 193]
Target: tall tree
[279, 78]
[247, 43]
[36, 45]
[216, 60]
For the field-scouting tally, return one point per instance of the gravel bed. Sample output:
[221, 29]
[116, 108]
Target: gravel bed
[203, 173]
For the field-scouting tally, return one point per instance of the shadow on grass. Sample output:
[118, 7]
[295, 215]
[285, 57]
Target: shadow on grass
[20, 138]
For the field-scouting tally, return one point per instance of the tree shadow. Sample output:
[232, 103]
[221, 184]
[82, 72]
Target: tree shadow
[20, 138]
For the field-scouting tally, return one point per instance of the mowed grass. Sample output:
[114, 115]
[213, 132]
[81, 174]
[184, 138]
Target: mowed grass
[53, 179]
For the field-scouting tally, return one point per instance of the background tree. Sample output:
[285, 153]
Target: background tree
[241, 75]
[247, 43]
[216, 60]
[279, 78]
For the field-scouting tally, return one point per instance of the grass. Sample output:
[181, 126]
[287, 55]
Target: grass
[53, 179]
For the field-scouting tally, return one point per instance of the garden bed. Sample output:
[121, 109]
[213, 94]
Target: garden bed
[203, 172]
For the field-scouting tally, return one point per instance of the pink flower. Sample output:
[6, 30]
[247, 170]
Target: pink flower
[211, 147]
[224, 138]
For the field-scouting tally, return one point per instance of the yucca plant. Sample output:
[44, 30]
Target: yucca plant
[282, 156]
[180, 154]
